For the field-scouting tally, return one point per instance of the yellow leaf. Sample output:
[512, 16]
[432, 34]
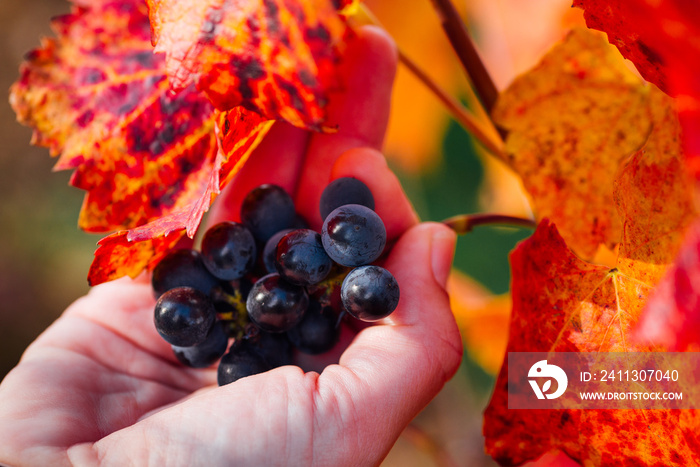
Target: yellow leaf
[571, 121]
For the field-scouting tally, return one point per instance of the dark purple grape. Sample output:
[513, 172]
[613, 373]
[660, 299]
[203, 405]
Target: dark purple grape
[266, 210]
[369, 293]
[270, 250]
[205, 353]
[275, 305]
[274, 347]
[184, 316]
[317, 332]
[228, 250]
[301, 258]
[240, 361]
[342, 191]
[182, 268]
[353, 235]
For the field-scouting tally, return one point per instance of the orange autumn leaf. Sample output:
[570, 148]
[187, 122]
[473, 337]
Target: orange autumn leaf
[346, 7]
[129, 252]
[117, 256]
[564, 304]
[482, 319]
[662, 39]
[571, 121]
[98, 96]
[277, 58]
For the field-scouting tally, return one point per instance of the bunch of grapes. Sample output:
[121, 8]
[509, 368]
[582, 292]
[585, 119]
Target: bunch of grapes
[258, 289]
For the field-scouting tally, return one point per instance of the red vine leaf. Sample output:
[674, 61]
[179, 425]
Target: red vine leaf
[671, 316]
[130, 252]
[276, 57]
[563, 304]
[571, 121]
[116, 256]
[662, 39]
[654, 197]
[98, 96]
[148, 157]
[346, 7]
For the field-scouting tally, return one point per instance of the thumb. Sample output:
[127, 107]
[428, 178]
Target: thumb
[421, 262]
[414, 352]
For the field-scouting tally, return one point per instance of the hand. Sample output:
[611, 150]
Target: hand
[99, 386]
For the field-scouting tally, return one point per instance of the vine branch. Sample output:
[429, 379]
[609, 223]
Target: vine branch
[481, 129]
[465, 223]
[488, 138]
[467, 53]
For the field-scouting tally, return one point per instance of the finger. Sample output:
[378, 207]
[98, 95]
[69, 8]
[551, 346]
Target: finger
[369, 166]
[441, 262]
[277, 160]
[391, 203]
[392, 371]
[97, 369]
[113, 325]
[263, 419]
[361, 113]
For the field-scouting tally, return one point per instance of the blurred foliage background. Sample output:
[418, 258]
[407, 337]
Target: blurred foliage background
[44, 258]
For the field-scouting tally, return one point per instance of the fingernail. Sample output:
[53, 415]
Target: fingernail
[443, 249]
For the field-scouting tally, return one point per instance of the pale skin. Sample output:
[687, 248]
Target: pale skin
[100, 387]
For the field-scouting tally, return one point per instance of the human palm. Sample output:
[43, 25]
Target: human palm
[100, 386]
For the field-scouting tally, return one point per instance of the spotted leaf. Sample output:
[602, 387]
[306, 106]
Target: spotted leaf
[97, 95]
[276, 57]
